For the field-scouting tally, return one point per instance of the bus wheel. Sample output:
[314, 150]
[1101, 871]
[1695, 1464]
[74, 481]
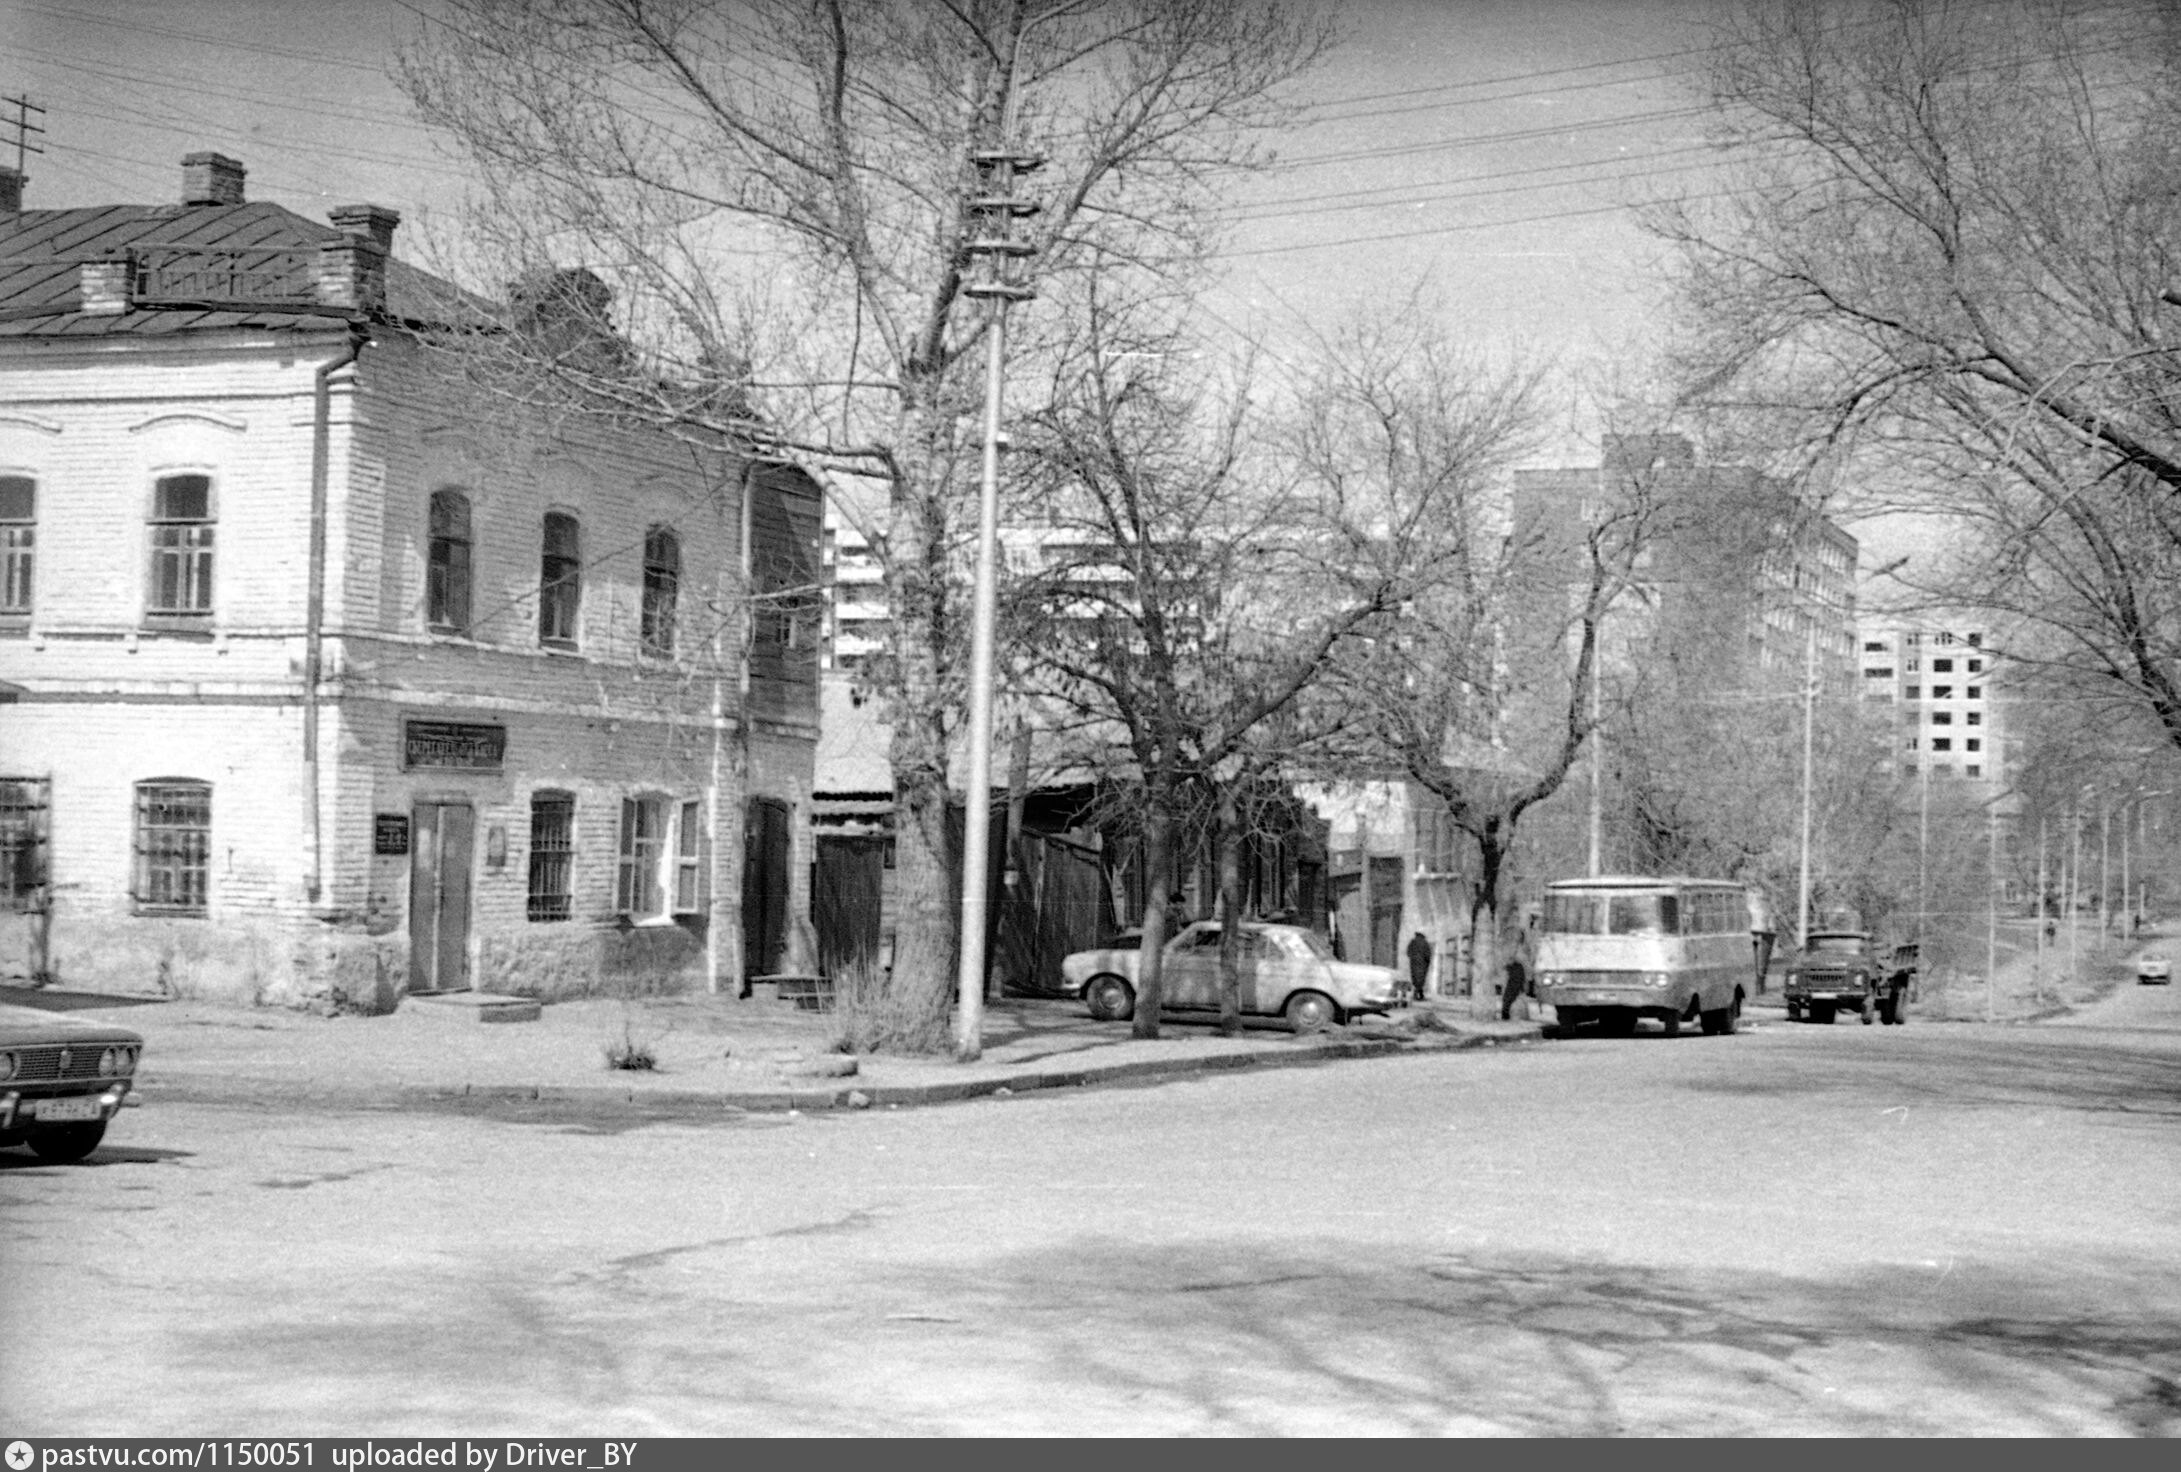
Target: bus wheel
[1672, 1023]
[1719, 1022]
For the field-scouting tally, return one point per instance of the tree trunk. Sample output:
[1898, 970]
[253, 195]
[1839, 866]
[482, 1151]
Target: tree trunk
[927, 927]
[1230, 917]
[1158, 882]
[1485, 973]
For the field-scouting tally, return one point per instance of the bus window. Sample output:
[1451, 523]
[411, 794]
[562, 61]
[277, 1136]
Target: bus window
[1572, 914]
[1644, 914]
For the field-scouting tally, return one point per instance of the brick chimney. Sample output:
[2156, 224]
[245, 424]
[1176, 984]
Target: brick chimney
[211, 178]
[103, 285]
[374, 220]
[11, 191]
[352, 273]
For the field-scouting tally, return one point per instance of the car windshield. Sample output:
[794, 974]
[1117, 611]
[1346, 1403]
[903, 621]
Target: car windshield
[1312, 942]
[1838, 945]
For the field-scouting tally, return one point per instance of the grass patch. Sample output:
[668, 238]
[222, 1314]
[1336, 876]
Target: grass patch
[869, 1018]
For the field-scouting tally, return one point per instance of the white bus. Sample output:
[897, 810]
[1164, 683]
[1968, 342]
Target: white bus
[1615, 949]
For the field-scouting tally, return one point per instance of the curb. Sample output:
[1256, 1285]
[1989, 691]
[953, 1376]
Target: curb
[844, 1095]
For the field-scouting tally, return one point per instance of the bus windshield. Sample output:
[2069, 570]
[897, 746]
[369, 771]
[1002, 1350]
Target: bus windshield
[1612, 914]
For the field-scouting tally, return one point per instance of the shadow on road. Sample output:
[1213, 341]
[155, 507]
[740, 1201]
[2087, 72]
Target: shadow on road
[1229, 1337]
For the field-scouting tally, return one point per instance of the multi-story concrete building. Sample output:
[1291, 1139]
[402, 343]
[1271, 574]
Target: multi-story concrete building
[334, 676]
[1740, 573]
[1937, 685]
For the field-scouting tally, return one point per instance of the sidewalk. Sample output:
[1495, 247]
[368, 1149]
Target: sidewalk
[710, 1053]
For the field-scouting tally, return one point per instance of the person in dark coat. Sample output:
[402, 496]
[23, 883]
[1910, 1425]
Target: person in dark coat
[1420, 949]
[1517, 982]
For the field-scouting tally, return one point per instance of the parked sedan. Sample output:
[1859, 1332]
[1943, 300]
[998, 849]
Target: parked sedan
[1287, 971]
[61, 1080]
[2153, 969]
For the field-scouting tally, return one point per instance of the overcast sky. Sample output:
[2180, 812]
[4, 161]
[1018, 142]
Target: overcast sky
[1490, 148]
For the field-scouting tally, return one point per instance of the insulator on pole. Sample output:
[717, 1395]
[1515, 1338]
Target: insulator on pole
[994, 204]
[996, 246]
[993, 158]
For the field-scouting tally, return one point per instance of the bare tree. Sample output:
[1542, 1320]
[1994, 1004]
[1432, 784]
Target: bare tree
[1947, 263]
[1203, 572]
[784, 196]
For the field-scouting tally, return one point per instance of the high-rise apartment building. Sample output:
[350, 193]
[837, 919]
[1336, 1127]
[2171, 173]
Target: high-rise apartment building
[1938, 684]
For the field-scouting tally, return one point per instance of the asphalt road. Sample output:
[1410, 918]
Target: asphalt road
[1923, 1230]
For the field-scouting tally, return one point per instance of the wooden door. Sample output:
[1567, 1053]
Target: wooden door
[764, 886]
[440, 850]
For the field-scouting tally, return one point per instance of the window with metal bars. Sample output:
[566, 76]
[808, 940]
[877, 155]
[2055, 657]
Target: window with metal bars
[552, 855]
[173, 847]
[18, 541]
[181, 546]
[25, 825]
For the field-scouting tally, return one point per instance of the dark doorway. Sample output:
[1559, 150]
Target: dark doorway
[846, 901]
[440, 849]
[764, 886]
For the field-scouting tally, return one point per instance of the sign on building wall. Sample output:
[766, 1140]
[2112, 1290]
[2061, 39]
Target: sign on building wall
[455, 744]
[389, 833]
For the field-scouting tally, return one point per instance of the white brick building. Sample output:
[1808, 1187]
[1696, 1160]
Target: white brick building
[331, 679]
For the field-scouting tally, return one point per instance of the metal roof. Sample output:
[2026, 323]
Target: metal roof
[41, 251]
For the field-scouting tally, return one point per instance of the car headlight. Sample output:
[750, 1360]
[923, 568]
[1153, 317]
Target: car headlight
[1655, 978]
[7, 1066]
[1548, 978]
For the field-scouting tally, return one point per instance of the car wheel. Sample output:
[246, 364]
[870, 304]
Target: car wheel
[67, 1142]
[1311, 1012]
[1822, 1013]
[1719, 1022]
[1110, 999]
[1794, 1013]
[1672, 1023]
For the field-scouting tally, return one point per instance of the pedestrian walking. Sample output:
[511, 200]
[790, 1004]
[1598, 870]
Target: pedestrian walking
[1517, 982]
[1420, 949]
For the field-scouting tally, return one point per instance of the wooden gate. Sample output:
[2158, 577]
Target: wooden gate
[846, 901]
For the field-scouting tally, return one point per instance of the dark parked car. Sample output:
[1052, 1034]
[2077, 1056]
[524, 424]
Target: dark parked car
[61, 1080]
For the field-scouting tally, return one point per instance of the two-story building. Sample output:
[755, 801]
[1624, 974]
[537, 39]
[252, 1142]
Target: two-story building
[334, 673]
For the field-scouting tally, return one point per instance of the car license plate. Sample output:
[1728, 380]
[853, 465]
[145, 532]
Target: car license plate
[1600, 997]
[65, 1109]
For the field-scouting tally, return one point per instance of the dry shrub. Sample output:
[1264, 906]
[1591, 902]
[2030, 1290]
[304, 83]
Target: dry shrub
[631, 1053]
[869, 1018]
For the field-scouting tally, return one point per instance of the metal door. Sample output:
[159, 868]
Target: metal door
[440, 850]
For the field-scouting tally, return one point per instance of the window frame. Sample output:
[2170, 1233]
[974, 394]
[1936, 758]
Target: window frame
[549, 893]
[185, 864]
[18, 550]
[659, 854]
[26, 842]
[560, 583]
[661, 591]
[186, 543]
[443, 579]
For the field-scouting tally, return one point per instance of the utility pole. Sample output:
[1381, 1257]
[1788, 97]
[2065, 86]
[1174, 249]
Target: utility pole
[2074, 882]
[1597, 761]
[1991, 908]
[996, 209]
[2105, 870]
[2037, 968]
[23, 126]
[1809, 780]
[1923, 863]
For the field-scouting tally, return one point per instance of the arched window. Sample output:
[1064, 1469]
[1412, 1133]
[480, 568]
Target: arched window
[447, 582]
[662, 581]
[560, 581]
[552, 855]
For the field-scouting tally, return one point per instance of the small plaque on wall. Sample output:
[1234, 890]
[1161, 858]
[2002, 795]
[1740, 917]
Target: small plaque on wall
[390, 833]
